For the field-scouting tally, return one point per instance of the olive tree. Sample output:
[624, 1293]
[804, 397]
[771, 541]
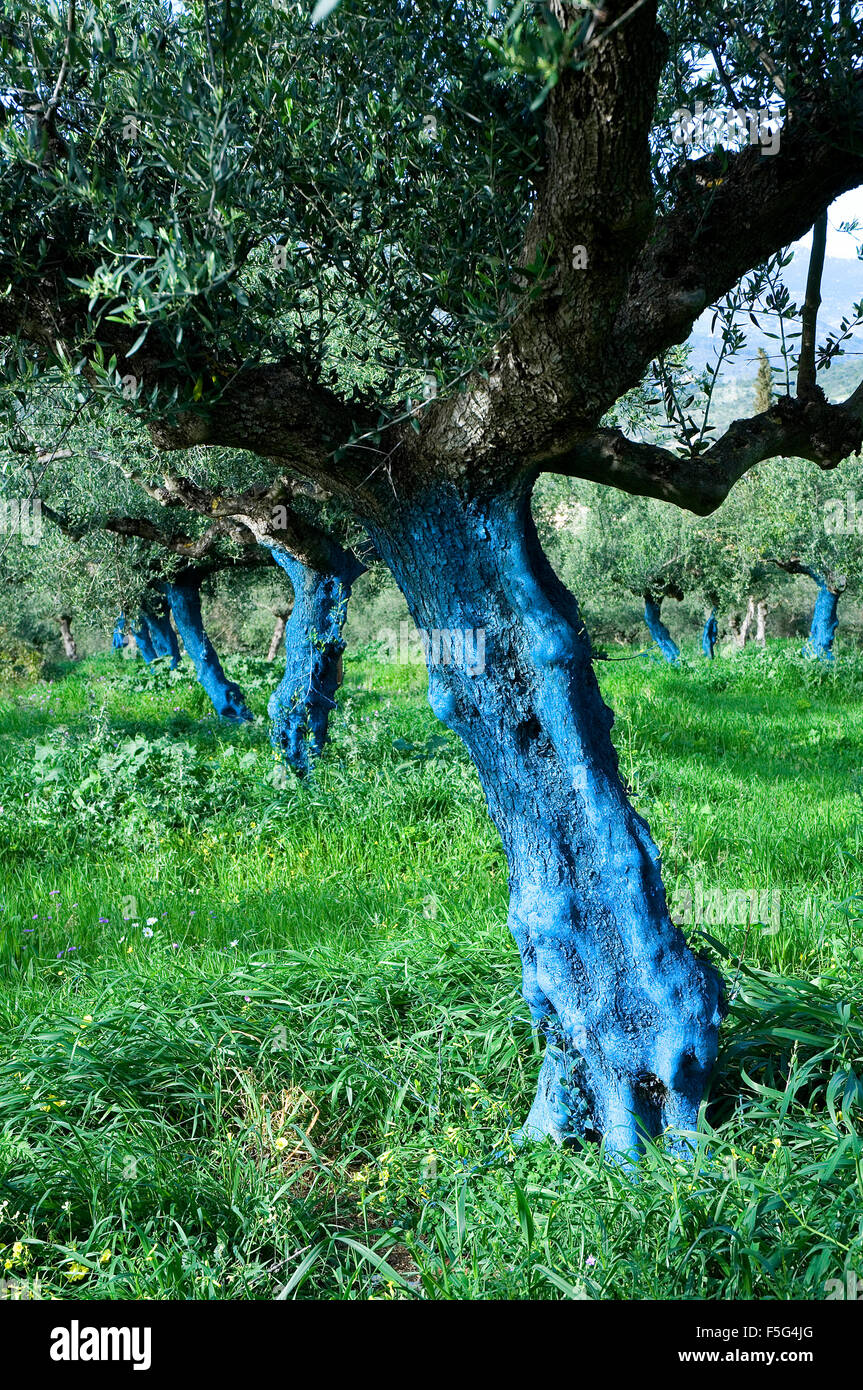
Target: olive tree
[197, 205]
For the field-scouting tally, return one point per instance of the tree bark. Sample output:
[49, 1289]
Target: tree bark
[629, 1015]
[69, 647]
[276, 639]
[747, 622]
[156, 637]
[825, 620]
[825, 616]
[739, 632]
[761, 622]
[709, 635]
[658, 631]
[141, 634]
[807, 384]
[301, 704]
[227, 698]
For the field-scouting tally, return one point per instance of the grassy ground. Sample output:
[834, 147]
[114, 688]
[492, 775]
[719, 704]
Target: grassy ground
[262, 1041]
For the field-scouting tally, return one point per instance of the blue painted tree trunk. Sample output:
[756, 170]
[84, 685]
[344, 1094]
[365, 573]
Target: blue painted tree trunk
[710, 636]
[118, 639]
[825, 620]
[301, 704]
[630, 1017]
[163, 636]
[227, 698]
[658, 631]
[156, 637]
[141, 634]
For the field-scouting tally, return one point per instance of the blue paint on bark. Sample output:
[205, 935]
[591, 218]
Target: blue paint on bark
[118, 640]
[658, 631]
[301, 704]
[141, 634]
[227, 698]
[825, 620]
[630, 1017]
[710, 635]
[156, 637]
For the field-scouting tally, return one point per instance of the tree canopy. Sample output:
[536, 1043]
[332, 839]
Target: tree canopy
[221, 215]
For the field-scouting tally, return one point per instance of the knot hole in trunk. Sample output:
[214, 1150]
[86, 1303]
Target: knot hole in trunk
[528, 730]
[650, 1097]
[531, 737]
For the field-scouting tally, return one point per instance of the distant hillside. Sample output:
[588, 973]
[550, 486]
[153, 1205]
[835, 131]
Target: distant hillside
[841, 287]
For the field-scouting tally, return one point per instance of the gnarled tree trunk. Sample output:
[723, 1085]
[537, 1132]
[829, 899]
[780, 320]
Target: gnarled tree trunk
[69, 648]
[141, 634]
[761, 622]
[825, 620]
[156, 637]
[825, 615]
[184, 597]
[738, 629]
[710, 635]
[630, 1016]
[658, 631]
[301, 704]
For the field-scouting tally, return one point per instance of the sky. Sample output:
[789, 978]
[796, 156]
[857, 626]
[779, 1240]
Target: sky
[840, 244]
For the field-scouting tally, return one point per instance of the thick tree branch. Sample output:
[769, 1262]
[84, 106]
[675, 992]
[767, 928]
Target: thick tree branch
[273, 411]
[265, 514]
[592, 216]
[140, 527]
[805, 428]
[704, 247]
[565, 363]
[270, 409]
[832, 580]
[193, 547]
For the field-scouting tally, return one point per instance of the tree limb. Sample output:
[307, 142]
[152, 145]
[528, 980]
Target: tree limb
[564, 363]
[794, 427]
[142, 528]
[806, 375]
[264, 513]
[835, 583]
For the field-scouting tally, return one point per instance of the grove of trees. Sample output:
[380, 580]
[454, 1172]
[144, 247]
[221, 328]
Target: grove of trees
[328, 293]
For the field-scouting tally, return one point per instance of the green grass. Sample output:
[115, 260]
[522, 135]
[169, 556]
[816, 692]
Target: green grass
[300, 1077]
